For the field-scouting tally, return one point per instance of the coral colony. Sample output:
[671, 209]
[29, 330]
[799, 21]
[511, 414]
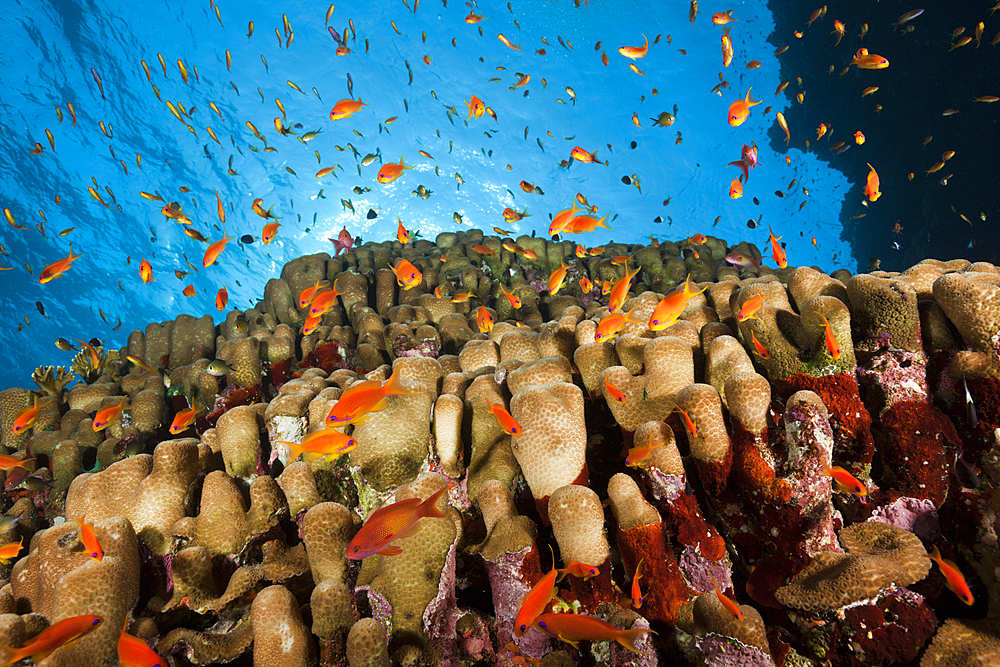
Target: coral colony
[434, 477]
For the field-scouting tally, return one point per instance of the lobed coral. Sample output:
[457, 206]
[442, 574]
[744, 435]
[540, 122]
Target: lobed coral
[235, 553]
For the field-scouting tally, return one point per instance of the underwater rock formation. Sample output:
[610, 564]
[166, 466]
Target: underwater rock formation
[787, 474]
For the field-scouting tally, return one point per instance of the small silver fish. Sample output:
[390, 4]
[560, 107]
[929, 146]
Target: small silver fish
[456, 217]
[459, 180]
[218, 368]
[64, 345]
[7, 523]
[371, 157]
[240, 325]
[572, 94]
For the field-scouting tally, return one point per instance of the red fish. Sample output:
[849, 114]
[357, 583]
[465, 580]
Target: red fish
[636, 591]
[758, 347]
[484, 320]
[557, 278]
[507, 422]
[134, 652]
[844, 480]
[63, 633]
[638, 455]
[730, 606]
[619, 292]
[9, 552]
[831, 341]
[777, 252]
[8, 463]
[953, 577]
[399, 519]
[56, 269]
[270, 231]
[740, 110]
[515, 302]
[614, 392]
[865, 61]
[872, 185]
[306, 295]
[750, 308]
[572, 628]
[344, 241]
[221, 298]
[535, 602]
[747, 161]
[614, 324]
[362, 398]
[689, 424]
[89, 540]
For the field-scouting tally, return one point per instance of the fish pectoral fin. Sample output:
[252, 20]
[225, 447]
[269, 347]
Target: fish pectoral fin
[574, 643]
[390, 550]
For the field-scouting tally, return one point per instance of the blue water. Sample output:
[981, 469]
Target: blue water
[50, 47]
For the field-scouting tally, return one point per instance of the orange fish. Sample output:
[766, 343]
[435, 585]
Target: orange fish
[399, 519]
[484, 320]
[578, 569]
[324, 301]
[402, 235]
[146, 271]
[270, 231]
[59, 634]
[557, 278]
[184, 419]
[730, 606]
[727, 47]
[636, 591]
[750, 308]
[346, 108]
[189, 291]
[843, 480]
[514, 301]
[613, 324]
[9, 552]
[9, 463]
[461, 297]
[620, 290]
[220, 208]
[221, 298]
[672, 305]
[581, 155]
[511, 215]
[89, 540]
[859, 138]
[311, 324]
[740, 110]
[872, 185]
[758, 347]
[109, 414]
[865, 61]
[561, 219]
[585, 223]
[953, 577]
[259, 210]
[390, 171]
[212, 253]
[777, 252]
[326, 442]
[572, 628]
[613, 391]
[362, 398]
[476, 107]
[535, 602]
[472, 19]
[689, 424]
[736, 189]
[831, 341]
[507, 423]
[638, 455]
[407, 275]
[635, 52]
[838, 29]
[56, 269]
[26, 418]
[306, 295]
[134, 652]
[516, 47]
[723, 18]
[482, 250]
[586, 285]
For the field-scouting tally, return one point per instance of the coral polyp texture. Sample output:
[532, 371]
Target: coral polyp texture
[715, 492]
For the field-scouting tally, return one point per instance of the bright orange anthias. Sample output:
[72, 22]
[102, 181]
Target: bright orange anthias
[689, 424]
[672, 305]
[536, 601]
[577, 569]
[89, 540]
[832, 346]
[363, 398]
[739, 110]
[750, 308]
[581, 155]
[270, 231]
[399, 519]
[865, 61]
[184, 419]
[573, 628]
[306, 295]
[134, 652]
[635, 52]
[729, 605]
[326, 442]
[507, 422]
[213, 251]
[954, 579]
[106, 416]
[557, 278]
[641, 453]
[515, 302]
[346, 108]
[636, 590]
[484, 320]
[63, 633]
[777, 252]
[9, 552]
[407, 275]
[619, 292]
[324, 301]
[221, 298]
[562, 218]
[843, 480]
[390, 171]
[56, 269]
[613, 324]
[402, 234]
[27, 417]
[613, 392]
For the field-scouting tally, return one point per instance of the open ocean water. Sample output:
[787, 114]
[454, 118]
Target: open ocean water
[416, 66]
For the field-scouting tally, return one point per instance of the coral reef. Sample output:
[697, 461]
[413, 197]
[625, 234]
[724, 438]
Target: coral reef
[738, 437]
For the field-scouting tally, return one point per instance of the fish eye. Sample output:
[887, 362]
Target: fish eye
[357, 549]
[542, 624]
[523, 627]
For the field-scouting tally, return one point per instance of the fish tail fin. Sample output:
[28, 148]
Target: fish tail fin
[10, 655]
[429, 508]
[23, 463]
[469, 104]
[600, 223]
[294, 449]
[627, 638]
[394, 385]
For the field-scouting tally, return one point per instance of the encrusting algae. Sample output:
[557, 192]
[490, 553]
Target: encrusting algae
[443, 462]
